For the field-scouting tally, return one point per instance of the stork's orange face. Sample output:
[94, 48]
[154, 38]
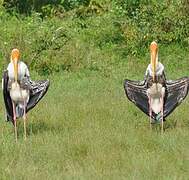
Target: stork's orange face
[154, 51]
[15, 56]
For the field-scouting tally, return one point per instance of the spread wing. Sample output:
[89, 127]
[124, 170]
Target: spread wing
[176, 92]
[6, 96]
[136, 92]
[37, 90]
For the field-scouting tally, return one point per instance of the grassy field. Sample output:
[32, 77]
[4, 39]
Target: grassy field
[85, 128]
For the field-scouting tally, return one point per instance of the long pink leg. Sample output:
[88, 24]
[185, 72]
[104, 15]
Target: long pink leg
[14, 118]
[24, 117]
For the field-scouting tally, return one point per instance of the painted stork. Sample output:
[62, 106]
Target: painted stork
[20, 93]
[156, 96]
[155, 84]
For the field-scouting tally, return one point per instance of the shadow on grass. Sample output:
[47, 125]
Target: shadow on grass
[167, 125]
[170, 125]
[39, 127]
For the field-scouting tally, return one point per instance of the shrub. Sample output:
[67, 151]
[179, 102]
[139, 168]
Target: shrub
[92, 34]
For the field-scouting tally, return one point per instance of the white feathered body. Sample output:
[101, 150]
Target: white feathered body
[18, 94]
[155, 92]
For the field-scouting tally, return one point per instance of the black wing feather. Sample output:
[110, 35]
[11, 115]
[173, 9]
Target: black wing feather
[176, 92]
[37, 90]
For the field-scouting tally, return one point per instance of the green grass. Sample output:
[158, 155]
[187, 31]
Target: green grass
[85, 128]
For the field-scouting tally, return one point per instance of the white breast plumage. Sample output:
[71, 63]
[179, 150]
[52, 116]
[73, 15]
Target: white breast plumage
[18, 94]
[155, 93]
